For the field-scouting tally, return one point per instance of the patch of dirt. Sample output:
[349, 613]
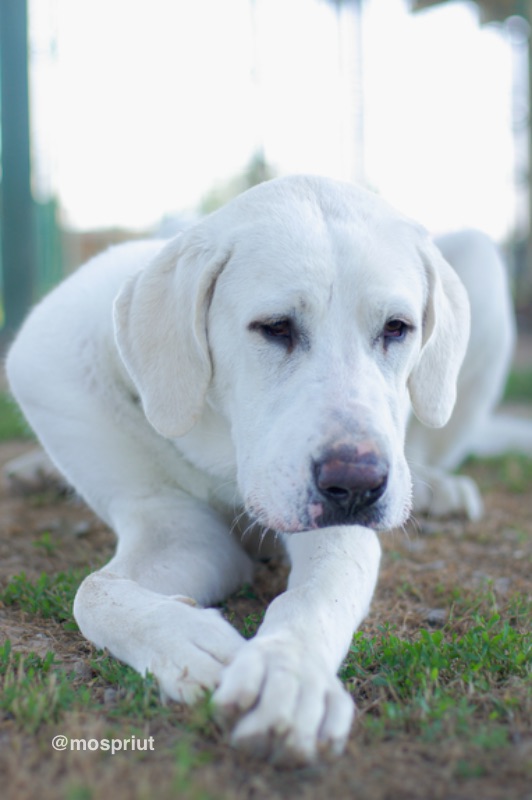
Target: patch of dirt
[419, 572]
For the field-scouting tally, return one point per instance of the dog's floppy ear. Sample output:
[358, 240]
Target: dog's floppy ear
[160, 319]
[432, 383]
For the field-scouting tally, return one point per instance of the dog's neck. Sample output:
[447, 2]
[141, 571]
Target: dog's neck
[209, 448]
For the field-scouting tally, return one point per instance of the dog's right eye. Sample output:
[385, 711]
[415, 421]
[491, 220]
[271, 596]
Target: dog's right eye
[278, 330]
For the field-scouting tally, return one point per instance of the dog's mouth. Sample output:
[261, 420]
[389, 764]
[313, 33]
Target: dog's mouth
[368, 517]
[318, 515]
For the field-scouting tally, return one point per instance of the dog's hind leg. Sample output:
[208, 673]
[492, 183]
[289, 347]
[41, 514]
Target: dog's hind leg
[434, 454]
[32, 472]
[501, 433]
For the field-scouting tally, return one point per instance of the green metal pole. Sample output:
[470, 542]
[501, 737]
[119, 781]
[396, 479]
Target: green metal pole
[17, 216]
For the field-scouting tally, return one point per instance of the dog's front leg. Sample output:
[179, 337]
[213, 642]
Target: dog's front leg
[282, 689]
[175, 555]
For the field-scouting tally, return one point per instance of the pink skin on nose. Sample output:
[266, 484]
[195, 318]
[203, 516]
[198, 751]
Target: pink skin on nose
[315, 511]
[363, 448]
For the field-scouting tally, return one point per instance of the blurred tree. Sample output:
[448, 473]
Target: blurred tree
[499, 11]
[491, 10]
[255, 172]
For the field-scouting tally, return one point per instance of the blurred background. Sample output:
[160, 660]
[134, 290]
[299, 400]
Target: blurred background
[129, 118]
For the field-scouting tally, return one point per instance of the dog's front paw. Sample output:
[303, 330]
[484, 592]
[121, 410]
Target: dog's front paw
[283, 704]
[31, 473]
[185, 647]
[442, 495]
[188, 659]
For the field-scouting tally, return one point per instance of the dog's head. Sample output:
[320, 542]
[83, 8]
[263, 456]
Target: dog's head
[289, 333]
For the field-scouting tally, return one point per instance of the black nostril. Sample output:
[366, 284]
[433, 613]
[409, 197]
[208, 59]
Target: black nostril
[338, 493]
[344, 496]
[372, 495]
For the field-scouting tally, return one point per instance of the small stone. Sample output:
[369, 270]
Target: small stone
[109, 696]
[436, 617]
[82, 670]
[435, 566]
[81, 528]
[502, 585]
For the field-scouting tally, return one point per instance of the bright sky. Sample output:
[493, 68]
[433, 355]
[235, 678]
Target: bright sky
[140, 107]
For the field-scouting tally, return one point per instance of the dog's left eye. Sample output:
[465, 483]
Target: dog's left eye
[395, 329]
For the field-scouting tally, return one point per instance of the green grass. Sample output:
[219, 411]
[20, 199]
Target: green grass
[512, 471]
[12, 423]
[36, 690]
[135, 697]
[33, 692]
[519, 387]
[48, 596]
[37, 694]
[433, 686]
[46, 544]
[467, 686]
[469, 681]
[441, 684]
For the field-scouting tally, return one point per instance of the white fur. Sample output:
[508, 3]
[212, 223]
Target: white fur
[174, 414]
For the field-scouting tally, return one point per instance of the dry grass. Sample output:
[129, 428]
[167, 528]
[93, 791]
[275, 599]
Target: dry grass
[449, 574]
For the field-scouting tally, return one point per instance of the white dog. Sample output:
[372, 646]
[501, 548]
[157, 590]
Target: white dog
[264, 363]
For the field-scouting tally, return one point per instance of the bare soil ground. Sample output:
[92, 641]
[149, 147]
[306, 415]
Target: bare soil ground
[419, 569]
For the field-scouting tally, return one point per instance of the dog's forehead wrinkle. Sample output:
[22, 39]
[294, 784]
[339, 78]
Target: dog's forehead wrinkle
[285, 291]
[315, 272]
[286, 214]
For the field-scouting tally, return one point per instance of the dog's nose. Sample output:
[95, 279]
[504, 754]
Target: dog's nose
[350, 480]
